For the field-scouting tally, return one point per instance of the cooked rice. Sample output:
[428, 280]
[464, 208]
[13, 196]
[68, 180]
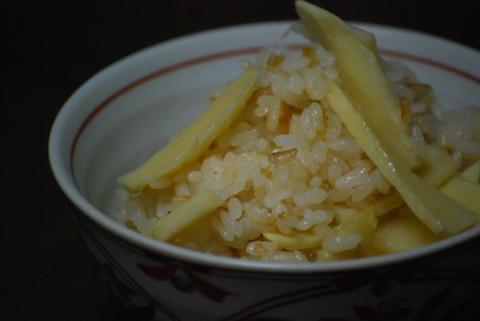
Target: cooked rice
[288, 160]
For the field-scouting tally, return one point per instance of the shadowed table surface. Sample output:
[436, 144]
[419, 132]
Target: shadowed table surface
[52, 48]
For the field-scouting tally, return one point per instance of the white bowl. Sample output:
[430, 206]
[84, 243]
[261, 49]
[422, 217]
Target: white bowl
[129, 110]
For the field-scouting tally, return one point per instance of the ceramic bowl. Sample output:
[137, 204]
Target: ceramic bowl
[129, 110]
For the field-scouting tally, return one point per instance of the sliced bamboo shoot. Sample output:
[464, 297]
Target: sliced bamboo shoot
[199, 206]
[401, 233]
[362, 223]
[464, 192]
[344, 214]
[437, 166]
[192, 141]
[362, 79]
[432, 207]
[472, 173]
[296, 241]
[367, 38]
[386, 204]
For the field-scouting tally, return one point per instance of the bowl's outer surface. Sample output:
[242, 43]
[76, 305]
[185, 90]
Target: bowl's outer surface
[440, 282]
[441, 287]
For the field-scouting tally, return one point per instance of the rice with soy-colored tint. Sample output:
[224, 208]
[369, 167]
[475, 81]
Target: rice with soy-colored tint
[288, 162]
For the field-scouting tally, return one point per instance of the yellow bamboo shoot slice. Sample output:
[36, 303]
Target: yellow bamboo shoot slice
[367, 38]
[437, 166]
[344, 214]
[362, 223]
[433, 208]
[201, 232]
[296, 241]
[472, 173]
[401, 233]
[194, 209]
[464, 192]
[362, 78]
[386, 204]
[192, 141]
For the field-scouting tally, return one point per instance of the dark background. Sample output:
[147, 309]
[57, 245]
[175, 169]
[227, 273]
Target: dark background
[51, 49]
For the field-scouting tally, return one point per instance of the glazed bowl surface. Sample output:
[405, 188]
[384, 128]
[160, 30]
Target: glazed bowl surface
[130, 109]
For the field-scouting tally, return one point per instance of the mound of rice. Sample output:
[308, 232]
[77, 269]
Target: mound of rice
[288, 160]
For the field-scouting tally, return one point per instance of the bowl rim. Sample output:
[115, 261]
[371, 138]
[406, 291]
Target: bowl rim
[60, 170]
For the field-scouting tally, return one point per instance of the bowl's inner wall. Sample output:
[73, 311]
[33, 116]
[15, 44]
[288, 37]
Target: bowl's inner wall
[137, 123]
